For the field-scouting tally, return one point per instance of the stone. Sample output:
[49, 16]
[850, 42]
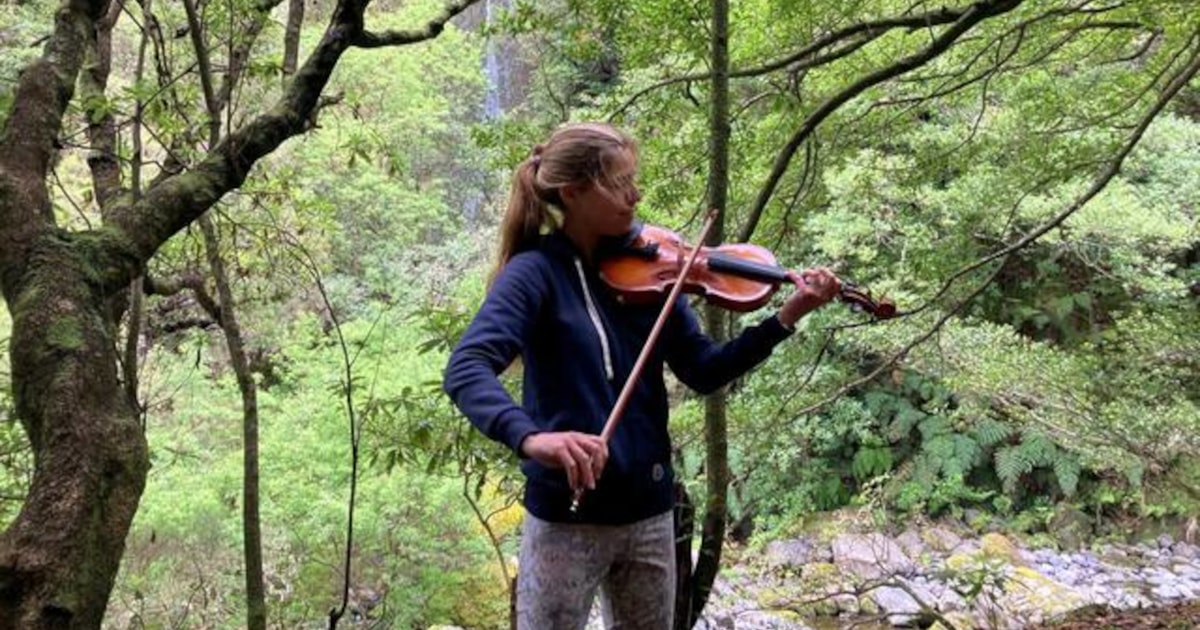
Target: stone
[911, 543]
[1000, 547]
[941, 539]
[1070, 527]
[900, 607]
[790, 554]
[870, 556]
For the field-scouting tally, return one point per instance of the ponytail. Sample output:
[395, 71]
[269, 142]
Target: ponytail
[525, 216]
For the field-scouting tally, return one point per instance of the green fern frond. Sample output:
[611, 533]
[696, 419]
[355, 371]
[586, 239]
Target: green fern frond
[933, 426]
[1011, 464]
[989, 432]
[906, 419]
[1066, 470]
[871, 462]
[1039, 449]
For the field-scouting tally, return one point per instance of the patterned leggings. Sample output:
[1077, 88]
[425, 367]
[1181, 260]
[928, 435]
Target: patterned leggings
[561, 565]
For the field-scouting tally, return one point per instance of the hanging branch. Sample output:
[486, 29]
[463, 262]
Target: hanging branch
[860, 34]
[969, 18]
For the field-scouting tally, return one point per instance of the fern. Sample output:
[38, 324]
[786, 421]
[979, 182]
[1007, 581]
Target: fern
[906, 419]
[1066, 470]
[933, 426]
[871, 462]
[1039, 448]
[991, 432]
[967, 454]
[1011, 464]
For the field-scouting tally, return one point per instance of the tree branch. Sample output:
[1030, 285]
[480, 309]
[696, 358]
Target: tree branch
[804, 57]
[176, 201]
[240, 53]
[969, 18]
[368, 39]
[102, 128]
[28, 138]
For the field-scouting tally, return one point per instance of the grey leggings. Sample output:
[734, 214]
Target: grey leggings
[561, 565]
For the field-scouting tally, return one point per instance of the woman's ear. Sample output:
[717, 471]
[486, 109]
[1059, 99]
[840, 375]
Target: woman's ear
[569, 193]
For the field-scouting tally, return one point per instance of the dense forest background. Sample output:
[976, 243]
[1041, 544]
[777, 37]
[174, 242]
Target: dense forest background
[1021, 178]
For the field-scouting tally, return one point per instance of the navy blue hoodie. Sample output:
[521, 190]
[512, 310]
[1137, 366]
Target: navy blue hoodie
[578, 345]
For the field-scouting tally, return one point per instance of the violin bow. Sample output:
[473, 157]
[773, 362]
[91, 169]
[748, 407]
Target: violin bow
[618, 409]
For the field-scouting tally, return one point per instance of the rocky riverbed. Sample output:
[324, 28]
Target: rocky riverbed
[936, 575]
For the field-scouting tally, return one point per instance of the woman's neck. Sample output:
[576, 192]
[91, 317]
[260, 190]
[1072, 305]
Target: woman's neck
[585, 241]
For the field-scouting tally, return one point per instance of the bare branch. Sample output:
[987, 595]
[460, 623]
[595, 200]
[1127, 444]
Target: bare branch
[205, 68]
[862, 32]
[239, 55]
[291, 36]
[368, 39]
[101, 126]
[28, 138]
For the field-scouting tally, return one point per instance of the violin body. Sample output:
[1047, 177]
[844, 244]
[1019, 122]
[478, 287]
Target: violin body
[740, 277]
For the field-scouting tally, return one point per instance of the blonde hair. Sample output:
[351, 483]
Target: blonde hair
[574, 154]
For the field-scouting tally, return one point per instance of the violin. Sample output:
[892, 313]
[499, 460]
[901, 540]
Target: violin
[740, 277]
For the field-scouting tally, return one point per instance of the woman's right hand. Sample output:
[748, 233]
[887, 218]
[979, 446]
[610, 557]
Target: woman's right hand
[582, 455]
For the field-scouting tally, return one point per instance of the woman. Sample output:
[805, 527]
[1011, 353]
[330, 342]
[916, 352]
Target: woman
[578, 343]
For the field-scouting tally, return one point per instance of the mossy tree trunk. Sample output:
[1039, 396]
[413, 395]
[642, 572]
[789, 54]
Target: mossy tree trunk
[59, 558]
[716, 416]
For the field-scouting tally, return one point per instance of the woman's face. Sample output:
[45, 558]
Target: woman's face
[606, 207]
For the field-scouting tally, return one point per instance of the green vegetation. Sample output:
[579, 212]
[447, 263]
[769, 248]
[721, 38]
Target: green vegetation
[1065, 373]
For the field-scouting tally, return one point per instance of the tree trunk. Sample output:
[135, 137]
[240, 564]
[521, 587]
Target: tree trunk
[256, 605]
[60, 557]
[291, 36]
[715, 417]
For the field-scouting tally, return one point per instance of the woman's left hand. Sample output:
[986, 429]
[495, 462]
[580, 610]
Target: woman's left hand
[814, 288]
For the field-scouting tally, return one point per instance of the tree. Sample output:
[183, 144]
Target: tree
[60, 556]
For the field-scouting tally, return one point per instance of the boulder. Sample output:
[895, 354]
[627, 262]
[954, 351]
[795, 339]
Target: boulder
[870, 556]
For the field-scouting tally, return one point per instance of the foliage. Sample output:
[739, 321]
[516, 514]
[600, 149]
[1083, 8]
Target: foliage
[16, 458]
[416, 544]
[1073, 374]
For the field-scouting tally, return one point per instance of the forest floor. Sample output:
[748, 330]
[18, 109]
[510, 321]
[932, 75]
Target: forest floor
[1181, 616]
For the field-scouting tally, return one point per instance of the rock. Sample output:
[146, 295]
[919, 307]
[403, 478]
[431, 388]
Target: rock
[1070, 527]
[999, 547]
[791, 554]
[941, 539]
[1034, 596]
[870, 556]
[911, 543]
[900, 607]
[961, 621]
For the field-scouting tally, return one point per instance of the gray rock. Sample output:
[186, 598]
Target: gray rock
[870, 556]
[793, 553]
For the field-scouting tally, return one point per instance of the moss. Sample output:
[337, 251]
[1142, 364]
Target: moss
[997, 546]
[66, 333]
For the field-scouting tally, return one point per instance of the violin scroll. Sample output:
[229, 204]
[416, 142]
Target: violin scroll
[860, 300]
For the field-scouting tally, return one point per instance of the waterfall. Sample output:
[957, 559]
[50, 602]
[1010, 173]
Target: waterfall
[493, 69]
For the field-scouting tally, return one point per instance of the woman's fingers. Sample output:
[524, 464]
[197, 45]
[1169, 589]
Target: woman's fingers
[582, 455]
[580, 464]
[822, 282]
